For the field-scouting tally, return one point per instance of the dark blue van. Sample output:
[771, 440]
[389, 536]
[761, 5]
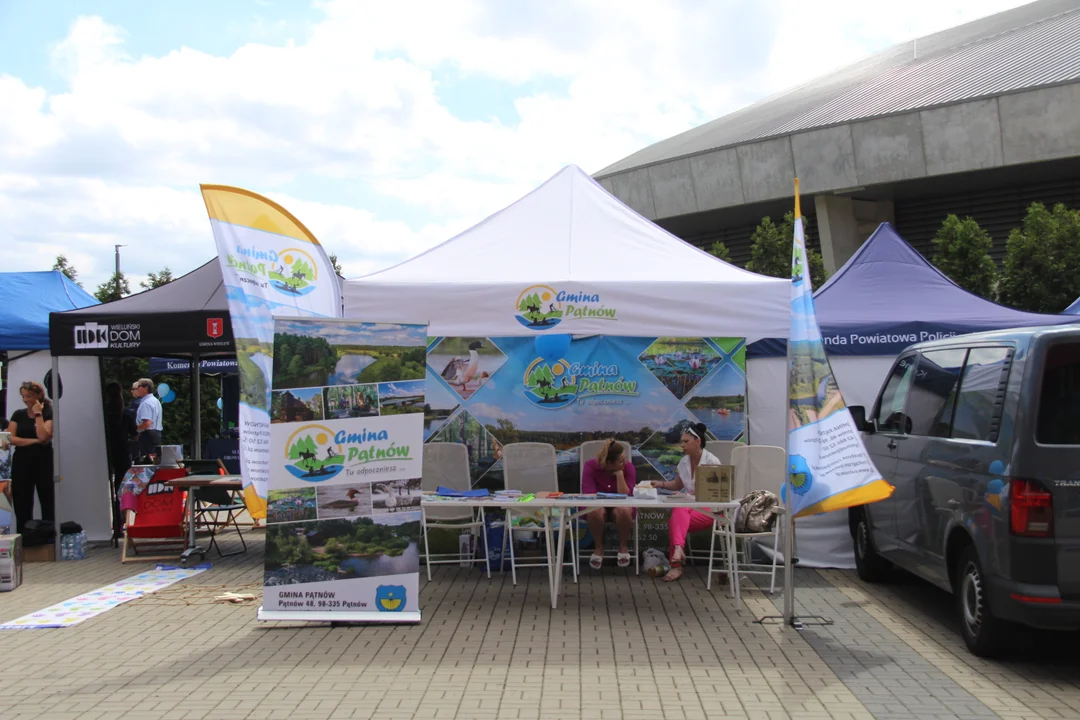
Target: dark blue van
[980, 436]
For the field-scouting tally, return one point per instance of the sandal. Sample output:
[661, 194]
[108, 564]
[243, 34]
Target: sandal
[623, 560]
[676, 571]
[595, 561]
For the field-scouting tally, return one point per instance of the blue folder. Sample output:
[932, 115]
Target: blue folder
[451, 492]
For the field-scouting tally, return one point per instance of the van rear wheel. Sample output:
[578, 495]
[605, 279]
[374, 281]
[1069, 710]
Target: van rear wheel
[871, 567]
[983, 633]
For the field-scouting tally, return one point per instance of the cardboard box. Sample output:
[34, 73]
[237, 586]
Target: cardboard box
[11, 562]
[40, 553]
[714, 483]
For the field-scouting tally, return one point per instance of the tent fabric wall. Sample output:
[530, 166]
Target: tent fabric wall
[83, 496]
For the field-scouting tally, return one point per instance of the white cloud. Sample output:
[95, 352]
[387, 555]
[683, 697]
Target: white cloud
[355, 127]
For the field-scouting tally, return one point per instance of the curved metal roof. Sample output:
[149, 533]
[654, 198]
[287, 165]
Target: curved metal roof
[1030, 46]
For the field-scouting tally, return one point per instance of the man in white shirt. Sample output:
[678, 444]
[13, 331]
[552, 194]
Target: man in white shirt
[148, 416]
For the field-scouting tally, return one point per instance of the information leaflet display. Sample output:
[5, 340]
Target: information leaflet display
[346, 449]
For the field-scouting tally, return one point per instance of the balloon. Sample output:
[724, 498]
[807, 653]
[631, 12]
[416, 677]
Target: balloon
[163, 389]
[219, 403]
[552, 347]
[997, 468]
[170, 397]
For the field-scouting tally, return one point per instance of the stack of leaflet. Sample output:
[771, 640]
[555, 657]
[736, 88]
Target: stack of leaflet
[507, 494]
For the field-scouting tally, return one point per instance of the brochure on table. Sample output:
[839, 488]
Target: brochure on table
[346, 446]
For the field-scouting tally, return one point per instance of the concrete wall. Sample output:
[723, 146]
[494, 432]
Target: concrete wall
[1011, 129]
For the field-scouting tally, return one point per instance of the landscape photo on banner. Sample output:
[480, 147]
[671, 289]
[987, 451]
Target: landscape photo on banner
[346, 446]
[272, 266]
[828, 466]
[485, 392]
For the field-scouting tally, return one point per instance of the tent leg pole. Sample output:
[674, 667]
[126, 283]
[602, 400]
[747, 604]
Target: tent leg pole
[196, 407]
[58, 476]
[789, 571]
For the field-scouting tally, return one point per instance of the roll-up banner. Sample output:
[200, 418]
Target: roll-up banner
[346, 450]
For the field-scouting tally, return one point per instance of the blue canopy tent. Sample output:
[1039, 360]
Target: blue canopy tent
[1073, 309]
[888, 296]
[885, 298]
[26, 299]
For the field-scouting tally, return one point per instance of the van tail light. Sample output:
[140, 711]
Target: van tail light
[1032, 509]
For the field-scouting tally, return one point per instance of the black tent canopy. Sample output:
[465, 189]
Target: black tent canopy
[186, 317]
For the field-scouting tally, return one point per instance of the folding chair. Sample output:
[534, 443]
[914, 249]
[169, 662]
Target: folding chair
[447, 465]
[589, 450]
[757, 467]
[530, 467]
[212, 501]
[157, 521]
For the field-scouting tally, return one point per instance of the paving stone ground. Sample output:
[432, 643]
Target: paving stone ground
[618, 646]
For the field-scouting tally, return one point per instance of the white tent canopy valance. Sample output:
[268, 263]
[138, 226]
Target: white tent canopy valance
[569, 257]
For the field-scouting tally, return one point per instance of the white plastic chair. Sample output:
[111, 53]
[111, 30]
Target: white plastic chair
[722, 449]
[589, 450]
[447, 465]
[757, 467]
[531, 468]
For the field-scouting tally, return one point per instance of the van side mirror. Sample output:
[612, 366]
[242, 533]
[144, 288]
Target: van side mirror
[858, 414]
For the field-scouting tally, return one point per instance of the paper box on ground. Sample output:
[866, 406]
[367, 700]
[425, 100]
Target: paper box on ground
[40, 553]
[714, 483]
[11, 562]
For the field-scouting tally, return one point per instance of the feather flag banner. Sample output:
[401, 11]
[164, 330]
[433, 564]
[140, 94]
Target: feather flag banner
[828, 466]
[271, 266]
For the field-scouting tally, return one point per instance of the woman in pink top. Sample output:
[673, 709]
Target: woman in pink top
[609, 472]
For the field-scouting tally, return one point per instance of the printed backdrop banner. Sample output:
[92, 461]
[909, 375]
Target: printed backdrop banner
[485, 392]
[272, 266]
[346, 449]
[829, 468]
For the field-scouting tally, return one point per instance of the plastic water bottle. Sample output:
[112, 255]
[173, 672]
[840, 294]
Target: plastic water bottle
[82, 546]
[65, 547]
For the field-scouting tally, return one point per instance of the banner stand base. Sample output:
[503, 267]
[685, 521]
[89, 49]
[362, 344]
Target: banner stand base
[339, 618]
[796, 622]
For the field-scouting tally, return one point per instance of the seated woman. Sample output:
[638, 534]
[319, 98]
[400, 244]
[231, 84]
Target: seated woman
[686, 520]
[609, 472]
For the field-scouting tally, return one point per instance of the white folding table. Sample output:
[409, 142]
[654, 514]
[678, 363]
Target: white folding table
[578, 505]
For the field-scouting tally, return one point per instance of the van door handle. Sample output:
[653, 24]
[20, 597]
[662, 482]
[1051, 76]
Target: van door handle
[892, 445]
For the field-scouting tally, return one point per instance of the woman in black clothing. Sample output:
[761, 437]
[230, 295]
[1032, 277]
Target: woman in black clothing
[119, 429]
[32, 465]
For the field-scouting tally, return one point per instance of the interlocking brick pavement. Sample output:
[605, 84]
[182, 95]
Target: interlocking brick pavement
[618, 646]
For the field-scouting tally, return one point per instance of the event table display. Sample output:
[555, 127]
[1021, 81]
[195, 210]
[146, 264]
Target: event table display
[578, 505]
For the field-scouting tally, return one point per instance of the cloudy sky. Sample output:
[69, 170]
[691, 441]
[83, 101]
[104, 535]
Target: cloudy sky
[385, 127]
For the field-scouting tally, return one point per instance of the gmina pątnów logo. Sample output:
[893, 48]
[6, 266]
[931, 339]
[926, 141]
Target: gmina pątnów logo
[291, 272]
[315, 453]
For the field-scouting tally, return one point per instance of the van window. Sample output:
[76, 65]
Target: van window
[980, 392]
[933, 392]
[890, 414]
[1059, 398]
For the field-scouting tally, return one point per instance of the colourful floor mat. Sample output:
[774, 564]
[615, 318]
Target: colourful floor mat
[83, 607]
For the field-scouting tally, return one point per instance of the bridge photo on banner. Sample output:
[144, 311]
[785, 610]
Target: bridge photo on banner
[346, 446]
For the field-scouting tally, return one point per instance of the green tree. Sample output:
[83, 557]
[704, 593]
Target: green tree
[67, 268]
[720, 250]
[770, 251]
[962, 251]
[158, 279]
[114, 288]
[1041, 258]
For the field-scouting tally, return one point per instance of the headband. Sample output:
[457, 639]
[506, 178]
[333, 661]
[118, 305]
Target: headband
[690, 430]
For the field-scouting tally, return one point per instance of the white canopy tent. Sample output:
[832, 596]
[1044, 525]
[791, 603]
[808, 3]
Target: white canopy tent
[615, 272]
